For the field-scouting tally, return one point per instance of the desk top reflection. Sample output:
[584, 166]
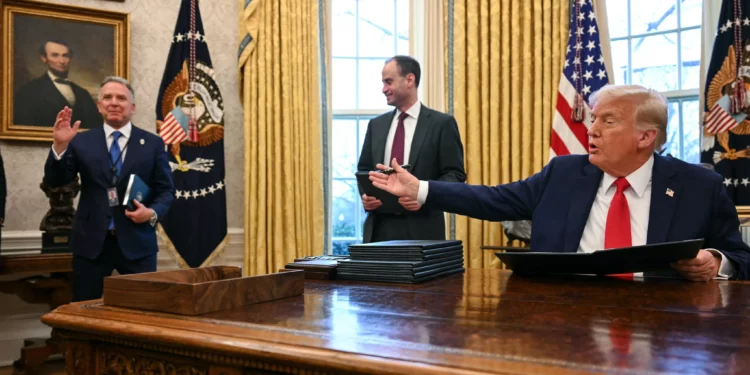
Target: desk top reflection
[484, 321]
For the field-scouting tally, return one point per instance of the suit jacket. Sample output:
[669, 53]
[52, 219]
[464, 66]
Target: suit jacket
[88, 156]
[559, 198]
[436, 154]
[38, 102]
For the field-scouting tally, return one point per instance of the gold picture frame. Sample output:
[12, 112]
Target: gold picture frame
[54, 55]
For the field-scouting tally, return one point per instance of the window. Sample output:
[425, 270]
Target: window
[657, 44]
[364, 34]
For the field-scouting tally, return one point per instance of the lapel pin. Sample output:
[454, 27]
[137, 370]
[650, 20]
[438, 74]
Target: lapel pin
[670, 192]
[142, 141]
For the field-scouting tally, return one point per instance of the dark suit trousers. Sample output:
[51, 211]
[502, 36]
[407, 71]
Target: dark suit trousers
[88, 275]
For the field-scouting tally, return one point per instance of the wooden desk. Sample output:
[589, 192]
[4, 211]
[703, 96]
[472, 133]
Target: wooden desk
[486, 321]
[43, 279]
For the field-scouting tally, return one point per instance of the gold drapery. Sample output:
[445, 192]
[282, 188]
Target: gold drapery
[280, 93]
[506, 66]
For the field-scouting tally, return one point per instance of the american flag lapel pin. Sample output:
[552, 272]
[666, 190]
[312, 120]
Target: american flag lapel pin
[670, 192]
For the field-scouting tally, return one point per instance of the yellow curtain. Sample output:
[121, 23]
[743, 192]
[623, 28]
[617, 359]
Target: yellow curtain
[280, 91]
[507, 58]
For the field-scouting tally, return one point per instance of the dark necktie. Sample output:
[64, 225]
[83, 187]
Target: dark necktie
[397, 149]
[114, 157]
[63, 81]
[617, 233]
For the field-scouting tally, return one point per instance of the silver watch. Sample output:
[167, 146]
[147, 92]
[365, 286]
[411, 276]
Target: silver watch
[153, 218]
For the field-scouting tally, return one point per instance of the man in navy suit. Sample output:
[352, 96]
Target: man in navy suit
[38, 101]
[621, 194]
[105, 235]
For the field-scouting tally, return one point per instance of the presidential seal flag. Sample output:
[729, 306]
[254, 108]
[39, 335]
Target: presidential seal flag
[190, 119]
[726, 126]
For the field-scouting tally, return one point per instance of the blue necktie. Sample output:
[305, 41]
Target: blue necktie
[114, 157]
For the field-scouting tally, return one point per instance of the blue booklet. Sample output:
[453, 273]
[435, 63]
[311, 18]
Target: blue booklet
[138, 190]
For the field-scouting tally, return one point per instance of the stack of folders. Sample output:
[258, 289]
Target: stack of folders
[402, 261]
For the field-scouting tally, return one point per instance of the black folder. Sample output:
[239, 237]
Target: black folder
[390, 201]
[603, 262]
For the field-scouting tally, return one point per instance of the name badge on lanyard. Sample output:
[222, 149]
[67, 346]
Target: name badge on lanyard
[112, 197]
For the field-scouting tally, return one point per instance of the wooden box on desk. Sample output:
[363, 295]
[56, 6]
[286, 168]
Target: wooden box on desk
[199, 290]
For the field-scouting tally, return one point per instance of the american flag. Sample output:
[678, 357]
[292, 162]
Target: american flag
[584, 73]
[172, 130]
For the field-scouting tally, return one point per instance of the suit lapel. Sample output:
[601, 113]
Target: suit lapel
[420, 133]
[133, 151]
[106, 164]
[379, 137]
[665, 193]
[582, 194]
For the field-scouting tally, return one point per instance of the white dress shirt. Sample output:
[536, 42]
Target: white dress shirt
[65, 90]
[410, 125]
[108, 130]
[638, 196]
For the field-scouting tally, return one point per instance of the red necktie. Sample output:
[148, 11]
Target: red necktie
[617, 231]
[397, 149]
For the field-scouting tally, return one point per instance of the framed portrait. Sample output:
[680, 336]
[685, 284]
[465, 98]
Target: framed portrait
[55, 56]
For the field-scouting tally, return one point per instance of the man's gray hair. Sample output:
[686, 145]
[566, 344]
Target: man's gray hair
[650, 107]
[119, 80]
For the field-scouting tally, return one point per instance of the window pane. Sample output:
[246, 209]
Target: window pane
[344, 73]
[341, 247]
[691, 58]
[648, 16]
[654, 62]
[620, 61]
[402, 23]
[343, 154]
[673, 131]
[343, 28]
[691, 11]
[346, 202]
[371, 84]
[691, 131]
[363, 122]
[617, 18]
[376, 28]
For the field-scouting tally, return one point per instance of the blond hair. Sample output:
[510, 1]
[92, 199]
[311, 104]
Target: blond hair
[650, 107]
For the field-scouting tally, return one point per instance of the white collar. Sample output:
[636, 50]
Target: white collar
[54, 77]
[638, 180]
[413, 111]
[125, 130]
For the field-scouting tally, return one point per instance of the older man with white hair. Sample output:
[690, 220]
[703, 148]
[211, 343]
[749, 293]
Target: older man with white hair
[621, 194]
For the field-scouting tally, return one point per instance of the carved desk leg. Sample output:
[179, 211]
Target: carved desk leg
[79, 358]
[54, 290]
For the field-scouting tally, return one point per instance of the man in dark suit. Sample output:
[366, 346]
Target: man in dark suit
[37, 102]
[621, 194]
[105, 235]
[426, 139]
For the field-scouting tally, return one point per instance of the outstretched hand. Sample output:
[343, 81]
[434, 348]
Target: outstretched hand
[63, 132]
[400, 183]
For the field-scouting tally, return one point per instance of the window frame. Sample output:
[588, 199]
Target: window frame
[673, 96]
[357, 114]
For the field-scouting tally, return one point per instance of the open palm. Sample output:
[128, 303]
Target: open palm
[63, 133]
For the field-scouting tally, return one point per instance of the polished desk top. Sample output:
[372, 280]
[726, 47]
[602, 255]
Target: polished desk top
[481, 321]
[36, 263]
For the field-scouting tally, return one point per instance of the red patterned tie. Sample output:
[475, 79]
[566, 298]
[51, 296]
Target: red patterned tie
[617, 231]
[397, 149]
